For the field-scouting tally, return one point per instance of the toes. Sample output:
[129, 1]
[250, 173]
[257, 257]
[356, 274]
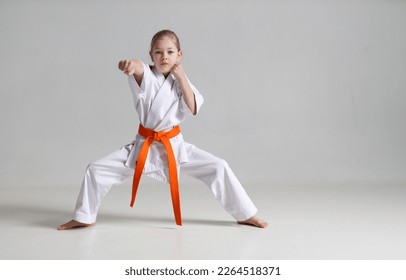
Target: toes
[62, 227]
[68, 225]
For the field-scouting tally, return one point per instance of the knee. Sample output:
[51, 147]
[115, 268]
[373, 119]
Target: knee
[92, 167]
[220, 165]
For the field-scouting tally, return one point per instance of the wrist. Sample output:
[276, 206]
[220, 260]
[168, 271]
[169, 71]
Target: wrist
[181, 78]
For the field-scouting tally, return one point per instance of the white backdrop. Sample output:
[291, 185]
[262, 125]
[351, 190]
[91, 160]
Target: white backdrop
[295, 91]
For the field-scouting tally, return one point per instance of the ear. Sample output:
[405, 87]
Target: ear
[180, 54]
[150, 54]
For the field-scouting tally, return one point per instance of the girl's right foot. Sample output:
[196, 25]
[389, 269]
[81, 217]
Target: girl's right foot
[73, 224]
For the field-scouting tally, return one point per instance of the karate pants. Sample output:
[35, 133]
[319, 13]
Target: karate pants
[111, 170]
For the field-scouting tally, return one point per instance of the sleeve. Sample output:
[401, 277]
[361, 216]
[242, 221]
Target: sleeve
[139, 89]
[198, 97]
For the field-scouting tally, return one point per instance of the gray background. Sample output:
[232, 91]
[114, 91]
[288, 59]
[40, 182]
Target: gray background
[295, 91]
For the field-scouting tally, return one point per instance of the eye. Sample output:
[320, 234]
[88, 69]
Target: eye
[171, 52]
[157, 52]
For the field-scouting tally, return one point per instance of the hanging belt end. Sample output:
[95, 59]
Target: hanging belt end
[178, 221]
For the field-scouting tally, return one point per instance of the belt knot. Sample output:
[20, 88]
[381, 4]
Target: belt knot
[158, 135]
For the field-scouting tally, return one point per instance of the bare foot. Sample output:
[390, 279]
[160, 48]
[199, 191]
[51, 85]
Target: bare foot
[73, 224]
[254, 221]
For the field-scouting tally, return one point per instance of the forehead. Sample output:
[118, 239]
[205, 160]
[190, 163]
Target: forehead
[165, 42]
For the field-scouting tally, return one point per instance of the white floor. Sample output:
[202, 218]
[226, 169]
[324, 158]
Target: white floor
[332, 222]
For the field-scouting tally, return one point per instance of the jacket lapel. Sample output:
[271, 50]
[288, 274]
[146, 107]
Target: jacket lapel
[162, 101]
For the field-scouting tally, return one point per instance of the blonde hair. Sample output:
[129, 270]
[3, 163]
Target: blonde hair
[165, 33]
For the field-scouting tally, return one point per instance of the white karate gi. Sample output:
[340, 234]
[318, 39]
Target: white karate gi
[160, 106]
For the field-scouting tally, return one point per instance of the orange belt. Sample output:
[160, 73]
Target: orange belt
[163, 137]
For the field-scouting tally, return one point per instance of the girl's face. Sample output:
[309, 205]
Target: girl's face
[165, 55]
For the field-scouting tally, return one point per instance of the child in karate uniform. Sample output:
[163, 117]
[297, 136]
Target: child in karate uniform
[163, 97]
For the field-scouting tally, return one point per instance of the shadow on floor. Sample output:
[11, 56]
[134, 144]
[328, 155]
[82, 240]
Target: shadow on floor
[48, 217]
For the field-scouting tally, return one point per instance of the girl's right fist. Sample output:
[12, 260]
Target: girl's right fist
[127, 66]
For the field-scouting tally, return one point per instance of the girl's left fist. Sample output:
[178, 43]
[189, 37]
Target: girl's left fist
[177, 71]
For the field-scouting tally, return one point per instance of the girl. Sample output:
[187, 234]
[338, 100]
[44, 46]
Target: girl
[163, 97]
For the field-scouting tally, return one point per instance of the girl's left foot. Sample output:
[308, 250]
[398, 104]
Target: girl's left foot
[254, 221]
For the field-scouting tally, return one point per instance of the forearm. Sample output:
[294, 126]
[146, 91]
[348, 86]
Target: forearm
[138, 67]
[188, 94]
[138, 71]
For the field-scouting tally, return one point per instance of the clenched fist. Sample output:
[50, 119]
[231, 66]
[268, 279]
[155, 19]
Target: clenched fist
[127, 66]
[177, 71]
